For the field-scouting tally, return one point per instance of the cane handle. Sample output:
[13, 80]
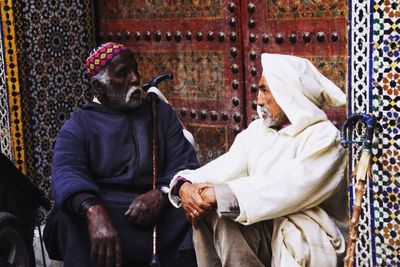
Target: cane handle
[369, 122]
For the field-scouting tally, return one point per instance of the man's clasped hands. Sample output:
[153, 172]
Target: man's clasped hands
[197, 200]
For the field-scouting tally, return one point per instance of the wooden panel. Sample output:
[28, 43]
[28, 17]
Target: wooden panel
[193, 39]
[214, 89]
[312, 29]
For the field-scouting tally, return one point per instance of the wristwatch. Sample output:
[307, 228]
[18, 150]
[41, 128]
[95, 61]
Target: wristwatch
[164, 190]
[86, 204]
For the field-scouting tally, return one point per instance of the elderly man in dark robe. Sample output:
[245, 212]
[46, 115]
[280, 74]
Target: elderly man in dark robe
[105, 207]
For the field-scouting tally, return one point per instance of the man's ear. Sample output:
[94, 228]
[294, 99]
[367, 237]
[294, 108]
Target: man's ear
[98, 87]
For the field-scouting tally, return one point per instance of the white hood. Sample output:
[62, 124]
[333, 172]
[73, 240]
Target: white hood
[300, 90]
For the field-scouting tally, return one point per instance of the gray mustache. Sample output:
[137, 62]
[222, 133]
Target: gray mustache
[131, 91]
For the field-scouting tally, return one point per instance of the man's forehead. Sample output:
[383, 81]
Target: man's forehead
[263, 83]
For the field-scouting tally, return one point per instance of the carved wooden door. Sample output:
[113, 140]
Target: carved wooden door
[312, 29]
[213, 48]
[200, 42]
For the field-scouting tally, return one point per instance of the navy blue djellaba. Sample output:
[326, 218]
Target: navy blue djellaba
[109, 154]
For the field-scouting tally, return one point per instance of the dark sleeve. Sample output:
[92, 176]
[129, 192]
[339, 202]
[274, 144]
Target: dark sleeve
[70, 171]
[179, 154]
[179, 182]
[74, 202]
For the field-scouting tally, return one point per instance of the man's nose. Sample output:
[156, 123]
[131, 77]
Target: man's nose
[260, 102]
[133, 78]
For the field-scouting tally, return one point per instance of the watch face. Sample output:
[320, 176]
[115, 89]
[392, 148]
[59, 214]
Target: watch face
[164, 190]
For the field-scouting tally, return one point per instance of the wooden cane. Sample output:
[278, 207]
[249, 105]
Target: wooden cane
[362, 172]
[154, 260]
[153, 98]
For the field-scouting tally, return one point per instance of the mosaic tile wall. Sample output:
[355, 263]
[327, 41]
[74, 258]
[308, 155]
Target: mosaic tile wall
[12, 143]
[374, 71]
[5, 132]
[386, 107]
[53, 39]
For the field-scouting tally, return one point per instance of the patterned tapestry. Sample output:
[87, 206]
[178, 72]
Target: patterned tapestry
[277, 9]
[144, 9]
[374, 69]
[189, 68]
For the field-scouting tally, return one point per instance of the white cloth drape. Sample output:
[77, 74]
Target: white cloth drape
[307, 238]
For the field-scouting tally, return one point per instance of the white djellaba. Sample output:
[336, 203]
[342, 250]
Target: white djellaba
[294, 176]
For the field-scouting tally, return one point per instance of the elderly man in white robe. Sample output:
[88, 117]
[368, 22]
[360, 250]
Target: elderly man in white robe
[277, 197]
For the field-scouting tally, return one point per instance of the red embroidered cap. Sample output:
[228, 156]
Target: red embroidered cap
[100, 56]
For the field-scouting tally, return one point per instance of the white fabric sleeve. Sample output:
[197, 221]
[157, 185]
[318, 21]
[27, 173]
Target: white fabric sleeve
[227, 204]
[293, 185]
[228, 166]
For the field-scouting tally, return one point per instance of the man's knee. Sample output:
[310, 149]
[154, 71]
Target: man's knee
[225, 231]
[62, 232]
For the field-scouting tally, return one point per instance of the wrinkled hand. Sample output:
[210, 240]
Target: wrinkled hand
[208, 195]
[105, 247]
[194, 205]
[146, 208]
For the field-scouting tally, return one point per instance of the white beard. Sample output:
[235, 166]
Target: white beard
[121, 101]
[264, 114]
